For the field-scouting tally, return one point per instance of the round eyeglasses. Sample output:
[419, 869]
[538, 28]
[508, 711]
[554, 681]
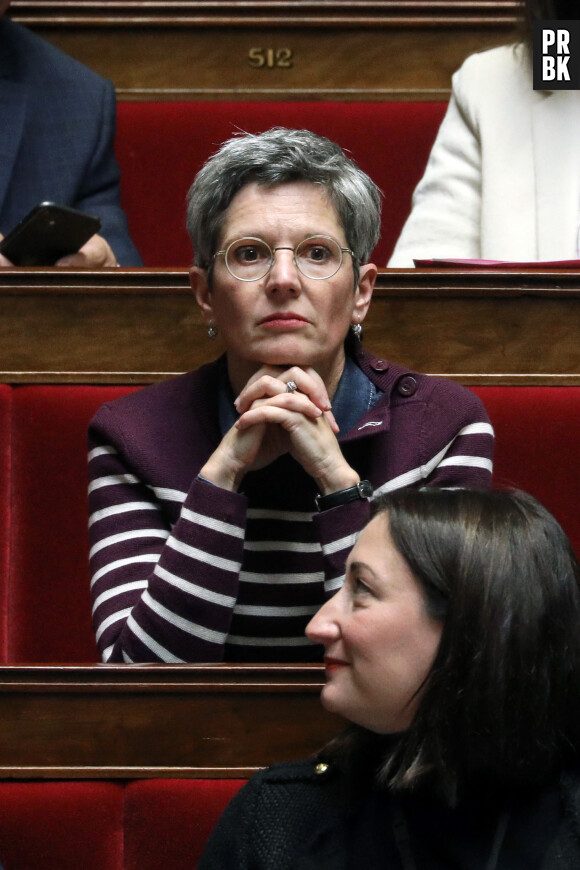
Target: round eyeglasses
[251, 259]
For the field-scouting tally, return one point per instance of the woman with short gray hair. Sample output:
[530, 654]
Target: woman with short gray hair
[277, 157]
[223, 502]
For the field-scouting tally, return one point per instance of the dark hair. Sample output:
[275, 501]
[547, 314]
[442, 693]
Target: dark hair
[552, 10]
[501, 705]
[548, 10]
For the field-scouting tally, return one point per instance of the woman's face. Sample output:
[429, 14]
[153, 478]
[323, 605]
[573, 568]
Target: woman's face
[284, 318]
[379, 641]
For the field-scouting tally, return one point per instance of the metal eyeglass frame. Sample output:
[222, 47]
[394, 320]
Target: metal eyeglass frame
[225, 251]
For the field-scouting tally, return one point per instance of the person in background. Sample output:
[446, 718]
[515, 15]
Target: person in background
[453, 649]
[223, 502]
[56, 140]
[503, 179]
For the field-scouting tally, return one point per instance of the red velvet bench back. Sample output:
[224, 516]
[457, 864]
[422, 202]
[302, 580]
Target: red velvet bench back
[48, 608]
[142, 825]
[161, 146]
[5, 510]
[537, 431]
[45, 606]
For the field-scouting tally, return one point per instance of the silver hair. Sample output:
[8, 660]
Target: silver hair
[275, 157]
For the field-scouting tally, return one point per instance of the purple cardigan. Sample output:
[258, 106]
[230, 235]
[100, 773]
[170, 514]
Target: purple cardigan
[184, 571]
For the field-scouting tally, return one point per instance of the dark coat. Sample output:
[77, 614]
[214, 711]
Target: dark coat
[293, 817]
[57, 136]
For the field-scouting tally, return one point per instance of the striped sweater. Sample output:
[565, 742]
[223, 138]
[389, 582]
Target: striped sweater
[184, 571]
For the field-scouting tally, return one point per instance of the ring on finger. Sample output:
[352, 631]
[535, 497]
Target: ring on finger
[291, 387]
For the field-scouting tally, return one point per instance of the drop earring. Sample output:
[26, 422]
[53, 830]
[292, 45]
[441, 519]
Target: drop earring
[212, 331]
[356, 330]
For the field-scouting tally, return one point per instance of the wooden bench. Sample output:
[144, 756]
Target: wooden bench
[534, 404]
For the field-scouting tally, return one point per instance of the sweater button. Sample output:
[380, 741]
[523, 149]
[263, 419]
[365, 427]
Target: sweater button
[407, 385]
[380, 365]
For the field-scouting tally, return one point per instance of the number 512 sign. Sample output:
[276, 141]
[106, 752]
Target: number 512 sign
[268, 58]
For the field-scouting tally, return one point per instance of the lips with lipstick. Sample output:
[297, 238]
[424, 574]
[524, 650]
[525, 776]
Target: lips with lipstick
[331, 664]
[283, 320]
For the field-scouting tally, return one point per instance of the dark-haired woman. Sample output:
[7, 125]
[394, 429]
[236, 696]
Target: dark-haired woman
[453, 649]
[503, 178]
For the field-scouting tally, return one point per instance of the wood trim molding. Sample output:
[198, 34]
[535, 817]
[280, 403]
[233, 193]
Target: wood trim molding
[112, 721]
[268, 13]
[136, 326]
[177, 58]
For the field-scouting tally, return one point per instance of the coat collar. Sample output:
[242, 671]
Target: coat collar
[388, 378]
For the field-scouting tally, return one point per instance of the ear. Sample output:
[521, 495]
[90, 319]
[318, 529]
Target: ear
[202, 292]
[364, 291]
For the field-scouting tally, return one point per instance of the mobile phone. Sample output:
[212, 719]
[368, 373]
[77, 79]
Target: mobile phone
[47, 233]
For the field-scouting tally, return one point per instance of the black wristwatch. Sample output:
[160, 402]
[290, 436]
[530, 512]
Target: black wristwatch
[363, 489]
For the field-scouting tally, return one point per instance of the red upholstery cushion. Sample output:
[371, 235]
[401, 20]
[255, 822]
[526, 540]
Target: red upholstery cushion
[168, 822]
[5, 507]
[537, 436]
[49, 611]
[161, 146]
[61, 826]
[45, 600]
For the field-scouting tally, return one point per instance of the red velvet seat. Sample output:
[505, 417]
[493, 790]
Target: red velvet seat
[45, 597]
[48, 604]
[168, 822]
[5, 508]
[142, 825]
[161, 146]
[537, 435]
[61, 825]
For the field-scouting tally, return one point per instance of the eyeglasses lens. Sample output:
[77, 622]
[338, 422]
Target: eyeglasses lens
[248, 259]
[317, 257]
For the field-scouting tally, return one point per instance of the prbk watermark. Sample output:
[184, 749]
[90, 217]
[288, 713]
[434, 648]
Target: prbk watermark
[556, 55]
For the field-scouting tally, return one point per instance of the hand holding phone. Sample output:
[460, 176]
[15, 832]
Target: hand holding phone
[47, 233]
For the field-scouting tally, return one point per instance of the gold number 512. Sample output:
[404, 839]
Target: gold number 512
[271, 57]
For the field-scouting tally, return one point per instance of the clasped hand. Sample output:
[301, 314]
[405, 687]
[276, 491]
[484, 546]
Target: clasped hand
[273, 422]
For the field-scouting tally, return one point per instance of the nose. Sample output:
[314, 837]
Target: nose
[284, 274]
[324, 627]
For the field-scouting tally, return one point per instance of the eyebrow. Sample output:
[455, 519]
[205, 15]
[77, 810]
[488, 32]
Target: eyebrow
[357, 566]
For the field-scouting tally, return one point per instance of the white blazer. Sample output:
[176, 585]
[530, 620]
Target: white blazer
[503, 179]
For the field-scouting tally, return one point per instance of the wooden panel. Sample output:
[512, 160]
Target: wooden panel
[480, 327]
[334, 63]
[273, 49]
[136, 326]
[112, 326]
[158, 720]
[256, 13]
